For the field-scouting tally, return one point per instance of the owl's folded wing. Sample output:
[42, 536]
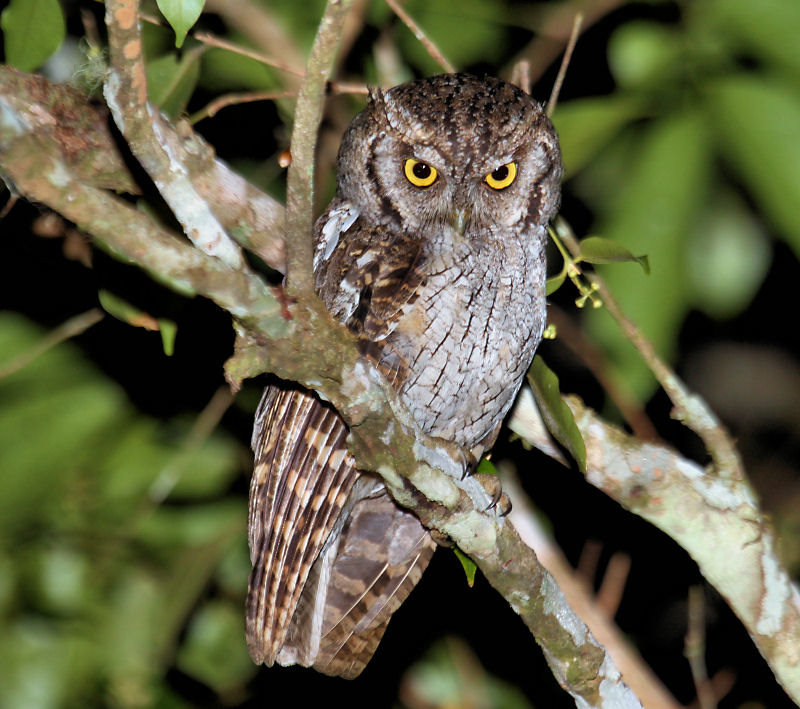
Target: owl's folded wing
[380, 558]
[333, 556]
[372, 276]
[301, 481]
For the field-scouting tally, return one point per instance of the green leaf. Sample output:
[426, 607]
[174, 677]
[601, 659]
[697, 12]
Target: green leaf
[757, 122]
[596, 249]
[652, 211]
[122, 310]
[556, 414]
[767, 28]
[214, 650]
[468, 565]
[586, 126]
[168, 330]
[181, 14]
[486, 467]
[729, 255]
[33, 30]
[171, 81]
[554, 283]
[645, 54]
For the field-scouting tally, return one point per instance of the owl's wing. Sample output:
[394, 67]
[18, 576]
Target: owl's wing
[378, 560]
[333, 556]
[372, 276]
[301, 480]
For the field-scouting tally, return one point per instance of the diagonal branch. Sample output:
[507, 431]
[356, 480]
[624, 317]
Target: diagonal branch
[716, 520]
[126, 94]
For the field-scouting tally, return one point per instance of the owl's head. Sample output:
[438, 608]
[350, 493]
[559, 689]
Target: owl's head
[475, 153]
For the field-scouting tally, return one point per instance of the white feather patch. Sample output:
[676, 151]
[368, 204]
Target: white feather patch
[339, 221]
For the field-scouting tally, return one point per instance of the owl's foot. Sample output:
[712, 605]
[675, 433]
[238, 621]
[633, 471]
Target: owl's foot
[440, 538]
[501, 503]
[470, 463]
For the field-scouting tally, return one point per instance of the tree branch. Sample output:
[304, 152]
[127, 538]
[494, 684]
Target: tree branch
[126, 95]
[307, 118]
[716, 520]
[690, 408]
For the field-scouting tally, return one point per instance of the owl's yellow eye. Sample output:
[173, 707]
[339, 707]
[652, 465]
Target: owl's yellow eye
[502, 177]
[419, 173]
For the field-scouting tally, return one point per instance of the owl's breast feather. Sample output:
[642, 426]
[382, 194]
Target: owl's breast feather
[467, 341]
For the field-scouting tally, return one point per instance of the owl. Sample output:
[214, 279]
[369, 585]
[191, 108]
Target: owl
[433, 254]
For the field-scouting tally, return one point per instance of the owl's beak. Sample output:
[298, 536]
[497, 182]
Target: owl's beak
[459, 219]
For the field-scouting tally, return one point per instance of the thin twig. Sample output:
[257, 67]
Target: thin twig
[9, 205]
[577, 341]
[562, 70]
[345, 87]
[553, 33]
[233, 99]
[307, 119]
[69, 329]
[695, 648]
[214, 41]
[521, 75]
[612, 587]
[264, 29]
[419, 33]
[690, 408]
[204, 425]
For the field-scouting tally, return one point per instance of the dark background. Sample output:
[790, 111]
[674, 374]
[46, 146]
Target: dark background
[37, 281]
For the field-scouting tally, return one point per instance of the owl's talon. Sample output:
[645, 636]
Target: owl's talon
[470, 464]
[503, 505]
[500, 501]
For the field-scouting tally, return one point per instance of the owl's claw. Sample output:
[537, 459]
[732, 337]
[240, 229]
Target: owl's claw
[470, 464]
[500, 500]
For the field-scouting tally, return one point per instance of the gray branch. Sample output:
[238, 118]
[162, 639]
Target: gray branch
[715, 518]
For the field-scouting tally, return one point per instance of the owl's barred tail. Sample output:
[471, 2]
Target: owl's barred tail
[301, 480]
[333, 556]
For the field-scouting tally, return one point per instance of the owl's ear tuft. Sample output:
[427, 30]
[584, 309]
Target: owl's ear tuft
[376, 95]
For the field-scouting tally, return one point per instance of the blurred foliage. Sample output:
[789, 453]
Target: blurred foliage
[122, 551]
[32, 31]
[99, 572]
[449, 675]
[699, 139]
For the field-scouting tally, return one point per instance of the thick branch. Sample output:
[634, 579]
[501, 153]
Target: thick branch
[126, 94]
[716, 520]
[132, 236]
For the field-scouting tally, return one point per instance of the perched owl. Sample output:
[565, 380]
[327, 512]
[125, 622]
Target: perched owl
[433, 254]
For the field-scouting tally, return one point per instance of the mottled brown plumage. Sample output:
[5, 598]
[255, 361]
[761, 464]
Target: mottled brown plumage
[432, 253]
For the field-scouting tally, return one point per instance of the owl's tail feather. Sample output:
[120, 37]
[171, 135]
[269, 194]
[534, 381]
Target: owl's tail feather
[333, 556]
[301, 480]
